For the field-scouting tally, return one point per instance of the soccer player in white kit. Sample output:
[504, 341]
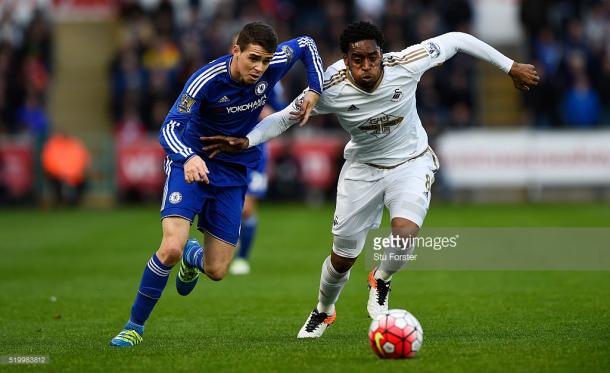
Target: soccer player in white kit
[388, 160]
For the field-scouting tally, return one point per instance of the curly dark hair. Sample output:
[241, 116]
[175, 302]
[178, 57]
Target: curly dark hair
[358, 31]
[257, 33]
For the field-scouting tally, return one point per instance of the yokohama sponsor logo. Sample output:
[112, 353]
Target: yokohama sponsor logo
[249, 106]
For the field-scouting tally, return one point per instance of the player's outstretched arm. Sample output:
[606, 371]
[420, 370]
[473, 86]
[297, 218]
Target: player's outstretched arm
[524, 76]
[443, 47]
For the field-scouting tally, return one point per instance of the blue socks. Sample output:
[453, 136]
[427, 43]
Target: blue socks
[152, 284]
[193, 255]
[133, 326]
[246, 237]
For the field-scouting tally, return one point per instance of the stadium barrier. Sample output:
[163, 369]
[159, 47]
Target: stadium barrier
[16, 167]
[139, 166]
[124, 169]
[530, 159]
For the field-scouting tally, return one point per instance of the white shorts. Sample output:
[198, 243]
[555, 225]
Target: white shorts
[363, 190]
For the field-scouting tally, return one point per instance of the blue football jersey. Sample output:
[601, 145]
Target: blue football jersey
[212, 103]
[276, 97]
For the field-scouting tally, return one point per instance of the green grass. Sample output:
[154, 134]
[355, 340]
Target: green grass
[91, 261]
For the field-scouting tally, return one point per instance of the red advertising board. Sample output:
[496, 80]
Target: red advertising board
[139, 165]
[16, 168]
[317, 158]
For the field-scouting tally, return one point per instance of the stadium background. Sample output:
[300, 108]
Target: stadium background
[106, 72]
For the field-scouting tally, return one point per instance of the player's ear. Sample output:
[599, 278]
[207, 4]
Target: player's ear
[235, 50]
[345, 60]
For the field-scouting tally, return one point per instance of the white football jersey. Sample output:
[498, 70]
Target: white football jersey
[384, 126]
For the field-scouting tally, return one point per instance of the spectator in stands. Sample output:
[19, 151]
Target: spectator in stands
[543, 102]
[130, 128]
[65, 160]
[581, 106]
[26, 64]
[570, 39]
[603, 82]
[32, 116]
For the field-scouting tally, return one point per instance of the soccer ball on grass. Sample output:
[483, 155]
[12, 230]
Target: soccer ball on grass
[395, 334]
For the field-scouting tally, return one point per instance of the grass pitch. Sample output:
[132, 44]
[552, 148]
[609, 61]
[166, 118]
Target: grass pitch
[68, 278]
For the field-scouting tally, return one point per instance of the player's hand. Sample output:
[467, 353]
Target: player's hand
[306, 106]
[524, 76]
[196, 170]
[225, 144]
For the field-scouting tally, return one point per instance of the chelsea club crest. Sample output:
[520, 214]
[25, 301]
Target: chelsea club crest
[260, 88]
[175, 197]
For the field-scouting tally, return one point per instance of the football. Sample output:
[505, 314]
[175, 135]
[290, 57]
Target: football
[396, 334]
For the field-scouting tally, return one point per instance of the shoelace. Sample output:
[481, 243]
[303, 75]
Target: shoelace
[187, 274]
[316, 319]
[383, 288]
[130, 336]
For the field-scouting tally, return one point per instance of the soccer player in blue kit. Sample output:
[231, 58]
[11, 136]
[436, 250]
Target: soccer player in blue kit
[225, 97]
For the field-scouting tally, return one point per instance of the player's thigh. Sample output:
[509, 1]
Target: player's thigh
[218, 255]
[175, 228]
[175, 233]
[408, 189]
[359, 207]
[359, 203]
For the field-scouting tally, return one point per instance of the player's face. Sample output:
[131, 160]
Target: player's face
[364, 63]
[251, 63]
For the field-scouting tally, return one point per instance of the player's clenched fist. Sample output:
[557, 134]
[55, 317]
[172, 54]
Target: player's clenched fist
[196, 170]
[524, 76]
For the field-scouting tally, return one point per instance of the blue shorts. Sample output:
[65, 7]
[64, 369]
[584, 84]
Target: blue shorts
[257, 177]
[218, 208]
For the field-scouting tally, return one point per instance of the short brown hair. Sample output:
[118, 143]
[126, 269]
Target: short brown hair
[258, 33]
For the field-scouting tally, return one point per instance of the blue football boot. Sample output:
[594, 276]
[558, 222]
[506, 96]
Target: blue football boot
[187, 275]
[130, 336]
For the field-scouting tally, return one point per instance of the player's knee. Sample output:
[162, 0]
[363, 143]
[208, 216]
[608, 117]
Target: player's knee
[349, 247]
[341, 264]
[215, 273]
[404, 228]
[170, 251]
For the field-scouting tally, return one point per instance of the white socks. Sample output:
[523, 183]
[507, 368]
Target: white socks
[383, 275]
[331, 284]
[394, 260]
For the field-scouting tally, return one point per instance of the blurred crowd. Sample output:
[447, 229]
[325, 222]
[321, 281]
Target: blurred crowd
[163, 43]
[569, 42]
[26, 67]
